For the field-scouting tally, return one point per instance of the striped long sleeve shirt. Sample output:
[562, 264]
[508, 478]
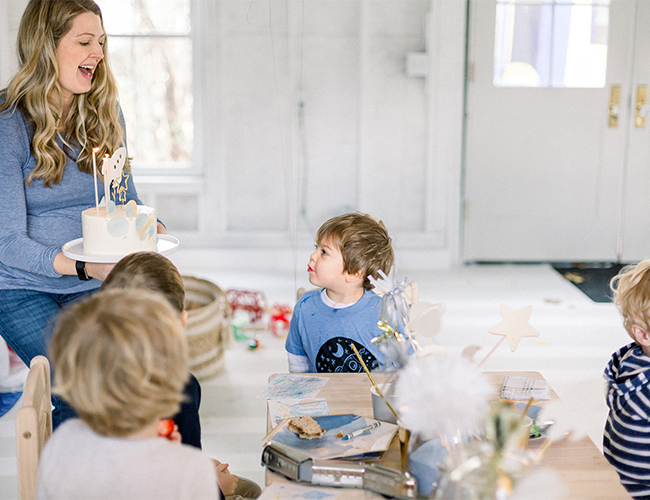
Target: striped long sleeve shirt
[626, 440]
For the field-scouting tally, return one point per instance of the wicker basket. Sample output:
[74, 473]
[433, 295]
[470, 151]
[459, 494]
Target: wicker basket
[208, 327]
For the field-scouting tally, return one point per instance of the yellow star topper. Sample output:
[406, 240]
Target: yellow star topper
[514, 325]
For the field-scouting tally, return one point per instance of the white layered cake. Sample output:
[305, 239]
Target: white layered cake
[132, 228]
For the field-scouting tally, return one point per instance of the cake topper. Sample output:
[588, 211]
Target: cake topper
[95, 178]
[403, 316]
[112, 172]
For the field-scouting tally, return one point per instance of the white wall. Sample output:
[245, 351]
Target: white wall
[10, 13]
[315, 115]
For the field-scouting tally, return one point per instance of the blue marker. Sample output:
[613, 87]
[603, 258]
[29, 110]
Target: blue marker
[362, 430]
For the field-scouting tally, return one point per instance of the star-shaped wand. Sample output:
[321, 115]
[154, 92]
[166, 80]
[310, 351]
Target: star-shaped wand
[514, 325]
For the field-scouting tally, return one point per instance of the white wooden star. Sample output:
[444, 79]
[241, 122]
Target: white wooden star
[514, 325]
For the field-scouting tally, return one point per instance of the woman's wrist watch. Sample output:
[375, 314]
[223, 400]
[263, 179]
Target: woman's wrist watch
[80, 266]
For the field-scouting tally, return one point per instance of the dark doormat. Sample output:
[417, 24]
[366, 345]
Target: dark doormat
[592, 280]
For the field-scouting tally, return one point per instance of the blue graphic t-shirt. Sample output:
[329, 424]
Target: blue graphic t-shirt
[325, 334]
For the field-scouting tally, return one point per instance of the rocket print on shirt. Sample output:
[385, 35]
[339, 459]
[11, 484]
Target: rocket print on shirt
[336, 356]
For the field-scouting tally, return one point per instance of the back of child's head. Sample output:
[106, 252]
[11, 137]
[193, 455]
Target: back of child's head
[363, 242]
[120, 360]
[148, 271]
[631, 294]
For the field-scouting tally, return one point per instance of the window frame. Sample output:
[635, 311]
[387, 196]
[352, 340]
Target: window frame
[195, 167]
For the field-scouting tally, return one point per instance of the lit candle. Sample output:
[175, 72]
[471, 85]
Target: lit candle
[95, 178]
[107, 192]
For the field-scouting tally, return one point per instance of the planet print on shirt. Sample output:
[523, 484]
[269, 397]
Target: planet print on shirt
[336, 356]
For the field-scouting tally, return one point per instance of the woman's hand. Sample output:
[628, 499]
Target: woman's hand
[66, 266]
[161, 229]
[227, 482]
[97, 270]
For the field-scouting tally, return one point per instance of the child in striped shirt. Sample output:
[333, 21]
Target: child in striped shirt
[626, 440]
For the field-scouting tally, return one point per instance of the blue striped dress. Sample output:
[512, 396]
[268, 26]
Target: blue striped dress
[626, 440]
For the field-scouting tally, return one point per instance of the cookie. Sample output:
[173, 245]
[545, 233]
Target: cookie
[306, 427]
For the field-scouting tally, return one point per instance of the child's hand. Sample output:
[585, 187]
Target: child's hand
[175, 436]
[168, 429]
[227, 482]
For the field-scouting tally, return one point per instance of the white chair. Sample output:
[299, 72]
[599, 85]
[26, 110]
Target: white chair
[299, 293]
[33, 425]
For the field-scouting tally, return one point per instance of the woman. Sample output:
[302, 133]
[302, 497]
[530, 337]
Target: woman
[60, 105]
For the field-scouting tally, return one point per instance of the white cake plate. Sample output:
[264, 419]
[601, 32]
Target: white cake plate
[75, 250]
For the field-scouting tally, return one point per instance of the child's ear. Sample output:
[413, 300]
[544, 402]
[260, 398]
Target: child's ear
[352, 277]
[184, 318]
[641, 335]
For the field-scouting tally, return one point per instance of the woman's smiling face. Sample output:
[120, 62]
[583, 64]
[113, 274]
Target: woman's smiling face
[77, 55]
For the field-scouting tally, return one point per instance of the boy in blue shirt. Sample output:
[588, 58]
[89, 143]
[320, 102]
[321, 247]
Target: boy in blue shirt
[344, 311]
[627, 431]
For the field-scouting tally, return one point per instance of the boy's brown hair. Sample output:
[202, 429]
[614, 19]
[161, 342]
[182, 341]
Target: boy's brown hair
[149, 271]
[363, 242]
[631, 294]
[120, 360]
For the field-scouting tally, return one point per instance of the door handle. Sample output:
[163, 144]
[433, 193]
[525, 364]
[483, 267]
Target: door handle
[614, 105]
[641, 106]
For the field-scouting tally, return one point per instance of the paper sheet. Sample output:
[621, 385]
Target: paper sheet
[293, 491]
[524, 388]
[290, 386]
[279, 409]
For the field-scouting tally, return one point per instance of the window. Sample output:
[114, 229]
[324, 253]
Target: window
[551, 43]
[151, 54]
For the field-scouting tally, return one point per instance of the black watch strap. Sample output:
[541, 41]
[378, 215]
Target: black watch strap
[80, 266]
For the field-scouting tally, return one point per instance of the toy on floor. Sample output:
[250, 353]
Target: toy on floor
[254, 343]
[280, 319]
[249, 308]
[253, 302]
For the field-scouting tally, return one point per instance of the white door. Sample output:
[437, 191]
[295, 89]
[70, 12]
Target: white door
[635, 227]
[544, 160]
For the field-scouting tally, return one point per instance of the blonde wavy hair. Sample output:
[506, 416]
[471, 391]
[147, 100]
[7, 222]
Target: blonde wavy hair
[363, 242]
[120, 359]
[93, 119]
[631, 295]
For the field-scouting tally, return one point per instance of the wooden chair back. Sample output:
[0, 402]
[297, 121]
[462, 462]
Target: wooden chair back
[33, 425]
[413, 291]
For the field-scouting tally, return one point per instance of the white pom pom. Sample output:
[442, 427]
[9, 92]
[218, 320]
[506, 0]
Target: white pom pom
[442, 395]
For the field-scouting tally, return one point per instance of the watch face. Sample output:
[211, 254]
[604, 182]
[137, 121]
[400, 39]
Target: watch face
[336, 356]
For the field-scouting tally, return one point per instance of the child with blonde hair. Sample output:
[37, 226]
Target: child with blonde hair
[156, 273]
[345, 310]
[120, 360]
[627, 431]
[151, 271]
